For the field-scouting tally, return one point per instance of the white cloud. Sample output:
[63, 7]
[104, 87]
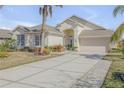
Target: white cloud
[13, 24]
[23, 23]
[3, 27]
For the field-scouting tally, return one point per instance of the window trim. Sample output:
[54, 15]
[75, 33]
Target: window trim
[21, 40]
[38, 41]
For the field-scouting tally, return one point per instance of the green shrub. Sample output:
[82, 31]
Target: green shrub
[5, 47]
[70, 47]
[8, 44]
[2, 48]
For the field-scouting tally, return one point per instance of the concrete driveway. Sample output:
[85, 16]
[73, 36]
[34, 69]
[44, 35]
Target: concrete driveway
[62, 71]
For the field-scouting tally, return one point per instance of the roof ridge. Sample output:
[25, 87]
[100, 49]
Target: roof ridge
[82, 19]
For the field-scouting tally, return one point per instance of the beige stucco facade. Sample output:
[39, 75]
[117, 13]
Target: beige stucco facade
[50, 39]
[54, 40]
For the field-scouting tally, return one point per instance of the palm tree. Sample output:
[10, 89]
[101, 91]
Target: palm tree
[45, 11]
[119, 31]
[118, 9]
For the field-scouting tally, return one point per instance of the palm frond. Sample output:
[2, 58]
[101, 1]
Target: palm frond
[40, 10]
[59, 6]
[118, 9]
[50, 10]
[118, 33]
[45, 10]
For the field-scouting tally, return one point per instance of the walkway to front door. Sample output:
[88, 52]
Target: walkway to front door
[69, 70]
[69, 37]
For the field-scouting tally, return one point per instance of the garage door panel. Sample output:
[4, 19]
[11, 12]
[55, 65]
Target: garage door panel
[92, 45]
[92, 42]
[92, 49]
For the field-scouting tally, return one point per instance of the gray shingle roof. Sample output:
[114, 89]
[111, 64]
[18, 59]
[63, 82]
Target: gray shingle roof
[37, 29]
[49, 29]
[5, 33]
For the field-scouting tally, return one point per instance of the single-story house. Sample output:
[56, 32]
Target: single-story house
[4, 35]
[75, 31]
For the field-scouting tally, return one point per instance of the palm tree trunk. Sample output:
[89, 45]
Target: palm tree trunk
[42, 39]
[43, 29]
[43, 36]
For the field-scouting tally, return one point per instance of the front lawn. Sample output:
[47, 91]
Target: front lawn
[19, 58]
[116, 66]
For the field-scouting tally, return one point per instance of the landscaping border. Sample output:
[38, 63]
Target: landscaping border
[6, 65]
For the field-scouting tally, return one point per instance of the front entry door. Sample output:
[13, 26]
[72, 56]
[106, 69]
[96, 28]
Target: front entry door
[71, 41]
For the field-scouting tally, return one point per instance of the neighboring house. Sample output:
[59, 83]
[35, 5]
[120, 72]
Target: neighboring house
[5, 35]
[74, 31]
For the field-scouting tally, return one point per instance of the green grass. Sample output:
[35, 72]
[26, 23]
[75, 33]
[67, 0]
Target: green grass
[117, 66]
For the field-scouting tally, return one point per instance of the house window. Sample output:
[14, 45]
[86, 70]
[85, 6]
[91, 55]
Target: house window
[37, 40]
[20, 40]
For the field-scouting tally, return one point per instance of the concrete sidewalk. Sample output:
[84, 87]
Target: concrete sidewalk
[59, 72]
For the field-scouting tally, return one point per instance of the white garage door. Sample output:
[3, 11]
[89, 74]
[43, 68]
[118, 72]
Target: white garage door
[93, 45]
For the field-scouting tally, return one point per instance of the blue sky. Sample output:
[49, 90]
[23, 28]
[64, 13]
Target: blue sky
[11, 16]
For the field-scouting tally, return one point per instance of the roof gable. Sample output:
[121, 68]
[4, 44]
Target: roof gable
[21, 28]
[74, 20]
